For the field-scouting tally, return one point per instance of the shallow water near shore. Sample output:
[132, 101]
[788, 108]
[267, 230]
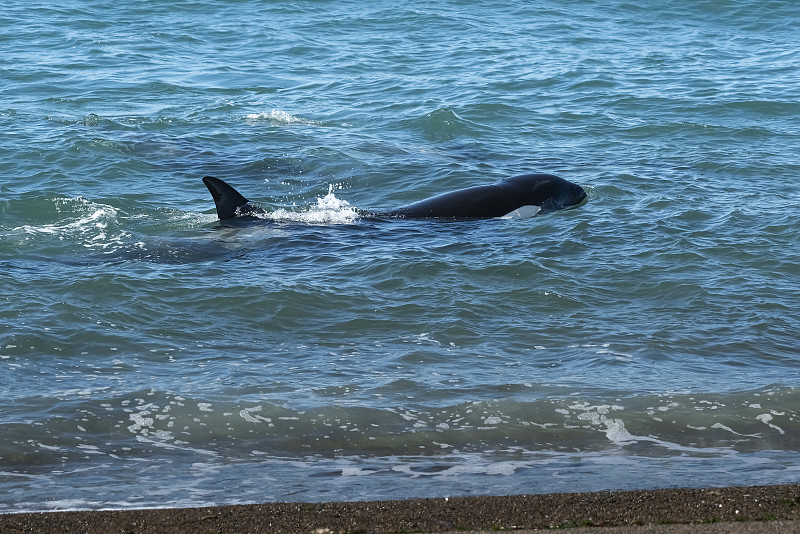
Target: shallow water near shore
[646, 339]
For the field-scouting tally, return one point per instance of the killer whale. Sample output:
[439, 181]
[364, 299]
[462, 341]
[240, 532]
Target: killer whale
[520, 196]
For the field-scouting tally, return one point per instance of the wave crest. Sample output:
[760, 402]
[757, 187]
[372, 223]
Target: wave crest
[277, 116]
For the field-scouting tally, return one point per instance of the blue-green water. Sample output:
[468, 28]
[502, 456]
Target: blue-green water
[650, 338]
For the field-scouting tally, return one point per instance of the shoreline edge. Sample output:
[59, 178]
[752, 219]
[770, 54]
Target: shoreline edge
[738, 509]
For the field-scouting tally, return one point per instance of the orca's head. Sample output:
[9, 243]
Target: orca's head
[549, 191]
[570, 196]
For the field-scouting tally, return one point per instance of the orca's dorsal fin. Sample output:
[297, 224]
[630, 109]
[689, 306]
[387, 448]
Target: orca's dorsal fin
[227, 199]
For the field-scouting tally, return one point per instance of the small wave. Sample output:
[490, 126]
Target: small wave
[92, 221]
[63, 226]
[328, 210]
[95, 216]
[277, 116]
[445, 124]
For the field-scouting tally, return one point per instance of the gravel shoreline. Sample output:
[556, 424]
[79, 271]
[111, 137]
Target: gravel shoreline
[733, 509]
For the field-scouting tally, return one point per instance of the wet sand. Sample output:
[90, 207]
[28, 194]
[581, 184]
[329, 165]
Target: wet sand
[736, 509]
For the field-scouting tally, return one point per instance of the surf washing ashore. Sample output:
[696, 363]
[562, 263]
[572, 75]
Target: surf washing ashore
[154, 356]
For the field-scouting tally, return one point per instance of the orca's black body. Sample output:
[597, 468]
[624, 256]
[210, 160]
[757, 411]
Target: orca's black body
[520, 196]
[545, 191]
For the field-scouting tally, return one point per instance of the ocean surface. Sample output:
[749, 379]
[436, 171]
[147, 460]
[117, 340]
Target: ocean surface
[647, 339]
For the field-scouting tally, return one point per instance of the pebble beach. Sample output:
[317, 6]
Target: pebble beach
[732, 509]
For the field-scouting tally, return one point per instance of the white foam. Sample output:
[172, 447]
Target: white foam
[97, 216]
[92, 223]
[66, 504]
[328, 210]
[249, 415]
[502, 468]
[356, 471]
[141, 423]
[278, 116]
[617, 433]
[470, 465]
[766, 418]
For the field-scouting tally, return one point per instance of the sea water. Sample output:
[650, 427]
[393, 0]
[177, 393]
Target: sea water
[649, 338]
